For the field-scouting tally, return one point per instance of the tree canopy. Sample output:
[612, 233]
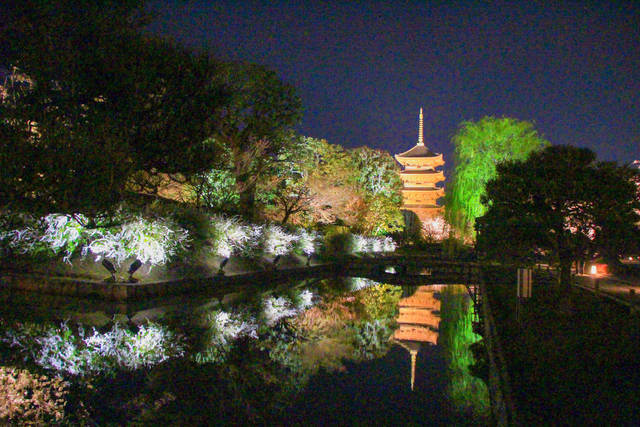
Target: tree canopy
[255, 124]
[562, 203]
[103, 103]
[479, 147]
[325, 183]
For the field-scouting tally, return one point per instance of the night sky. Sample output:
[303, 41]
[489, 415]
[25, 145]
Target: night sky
[363, 69]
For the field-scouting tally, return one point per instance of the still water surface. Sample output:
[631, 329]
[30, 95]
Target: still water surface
[339, 351]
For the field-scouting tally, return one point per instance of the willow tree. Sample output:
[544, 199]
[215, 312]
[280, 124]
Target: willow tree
[479, 146]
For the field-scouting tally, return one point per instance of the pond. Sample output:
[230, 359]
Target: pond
[338, 350]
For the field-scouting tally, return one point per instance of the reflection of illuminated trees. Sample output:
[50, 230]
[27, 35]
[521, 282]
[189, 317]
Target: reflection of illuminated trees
[456, 336]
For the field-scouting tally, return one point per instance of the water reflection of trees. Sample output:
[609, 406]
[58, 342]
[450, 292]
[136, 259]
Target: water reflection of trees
[467, 392]
[246, 362]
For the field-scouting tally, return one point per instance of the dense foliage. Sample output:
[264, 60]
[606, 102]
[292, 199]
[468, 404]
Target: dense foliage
[254, 124]
[101, 103]
[562, 202]
[479, 146]
[318, 182]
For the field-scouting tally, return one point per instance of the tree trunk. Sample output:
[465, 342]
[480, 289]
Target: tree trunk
[287, 213]
[247, 202]
[565, 274]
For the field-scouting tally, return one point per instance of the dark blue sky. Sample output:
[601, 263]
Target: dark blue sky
[363, 69]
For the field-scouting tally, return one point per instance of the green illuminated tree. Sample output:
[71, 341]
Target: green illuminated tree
[562, 203]
[479, 146]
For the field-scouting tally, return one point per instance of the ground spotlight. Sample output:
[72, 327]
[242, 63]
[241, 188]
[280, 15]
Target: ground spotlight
[221, 268]
[135, 265]
[275, 261]
[110, 268]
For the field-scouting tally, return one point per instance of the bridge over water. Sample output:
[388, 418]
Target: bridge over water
[419, 270]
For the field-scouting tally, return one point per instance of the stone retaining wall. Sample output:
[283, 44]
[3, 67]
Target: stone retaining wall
[132, 291]
[502, 406]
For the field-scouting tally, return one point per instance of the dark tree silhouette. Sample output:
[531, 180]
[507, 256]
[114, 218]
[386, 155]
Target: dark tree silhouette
[104, 102]
[254, 125]
[560, 202]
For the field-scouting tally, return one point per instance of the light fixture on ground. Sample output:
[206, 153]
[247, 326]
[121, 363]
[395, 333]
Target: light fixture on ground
[275, 261]
[111, 269]
[221, 268]
[135, 265]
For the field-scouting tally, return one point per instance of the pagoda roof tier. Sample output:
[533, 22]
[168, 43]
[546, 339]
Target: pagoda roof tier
[423, 189]
[423, 297]
[415, 333]
[420, 150]
[420, 172]
[410, 162]
[422, 207]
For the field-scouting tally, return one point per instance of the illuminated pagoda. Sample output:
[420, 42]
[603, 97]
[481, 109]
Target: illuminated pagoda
[418, 322]
[419, 176]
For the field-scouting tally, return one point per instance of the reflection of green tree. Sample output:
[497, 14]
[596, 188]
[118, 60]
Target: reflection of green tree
[467, 392]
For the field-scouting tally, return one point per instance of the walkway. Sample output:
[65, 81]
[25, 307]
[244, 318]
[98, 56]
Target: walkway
[625, 291]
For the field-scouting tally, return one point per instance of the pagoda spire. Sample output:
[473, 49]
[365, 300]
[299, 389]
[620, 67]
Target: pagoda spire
[420, 128]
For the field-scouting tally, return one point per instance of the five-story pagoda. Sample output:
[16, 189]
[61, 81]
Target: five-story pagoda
[419, 177]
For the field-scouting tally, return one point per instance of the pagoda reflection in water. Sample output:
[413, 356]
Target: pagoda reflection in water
[418, 322]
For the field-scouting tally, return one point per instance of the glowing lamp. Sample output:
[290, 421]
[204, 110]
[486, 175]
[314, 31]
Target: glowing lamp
[593, 270]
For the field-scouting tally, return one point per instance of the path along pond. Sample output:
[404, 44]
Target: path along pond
[331, 350]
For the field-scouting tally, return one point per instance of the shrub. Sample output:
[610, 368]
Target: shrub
[276, 241]
[305, 299]
[371, 339]
[62, 350]
[364, 244]
[21, 233]
[361, 244]
[64, 233]
[358, 283]
[307, 242]
[151, 241]
[389, 245]
[222, 328]
[339, 244]
[27, 398]
[278, 308]
[228, 235]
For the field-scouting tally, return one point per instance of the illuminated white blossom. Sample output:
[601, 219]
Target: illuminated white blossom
[389, 245]
[435, 228]
[278, 308]
[305, 299]
[307, 241]
[277, 241]
[61, 349]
